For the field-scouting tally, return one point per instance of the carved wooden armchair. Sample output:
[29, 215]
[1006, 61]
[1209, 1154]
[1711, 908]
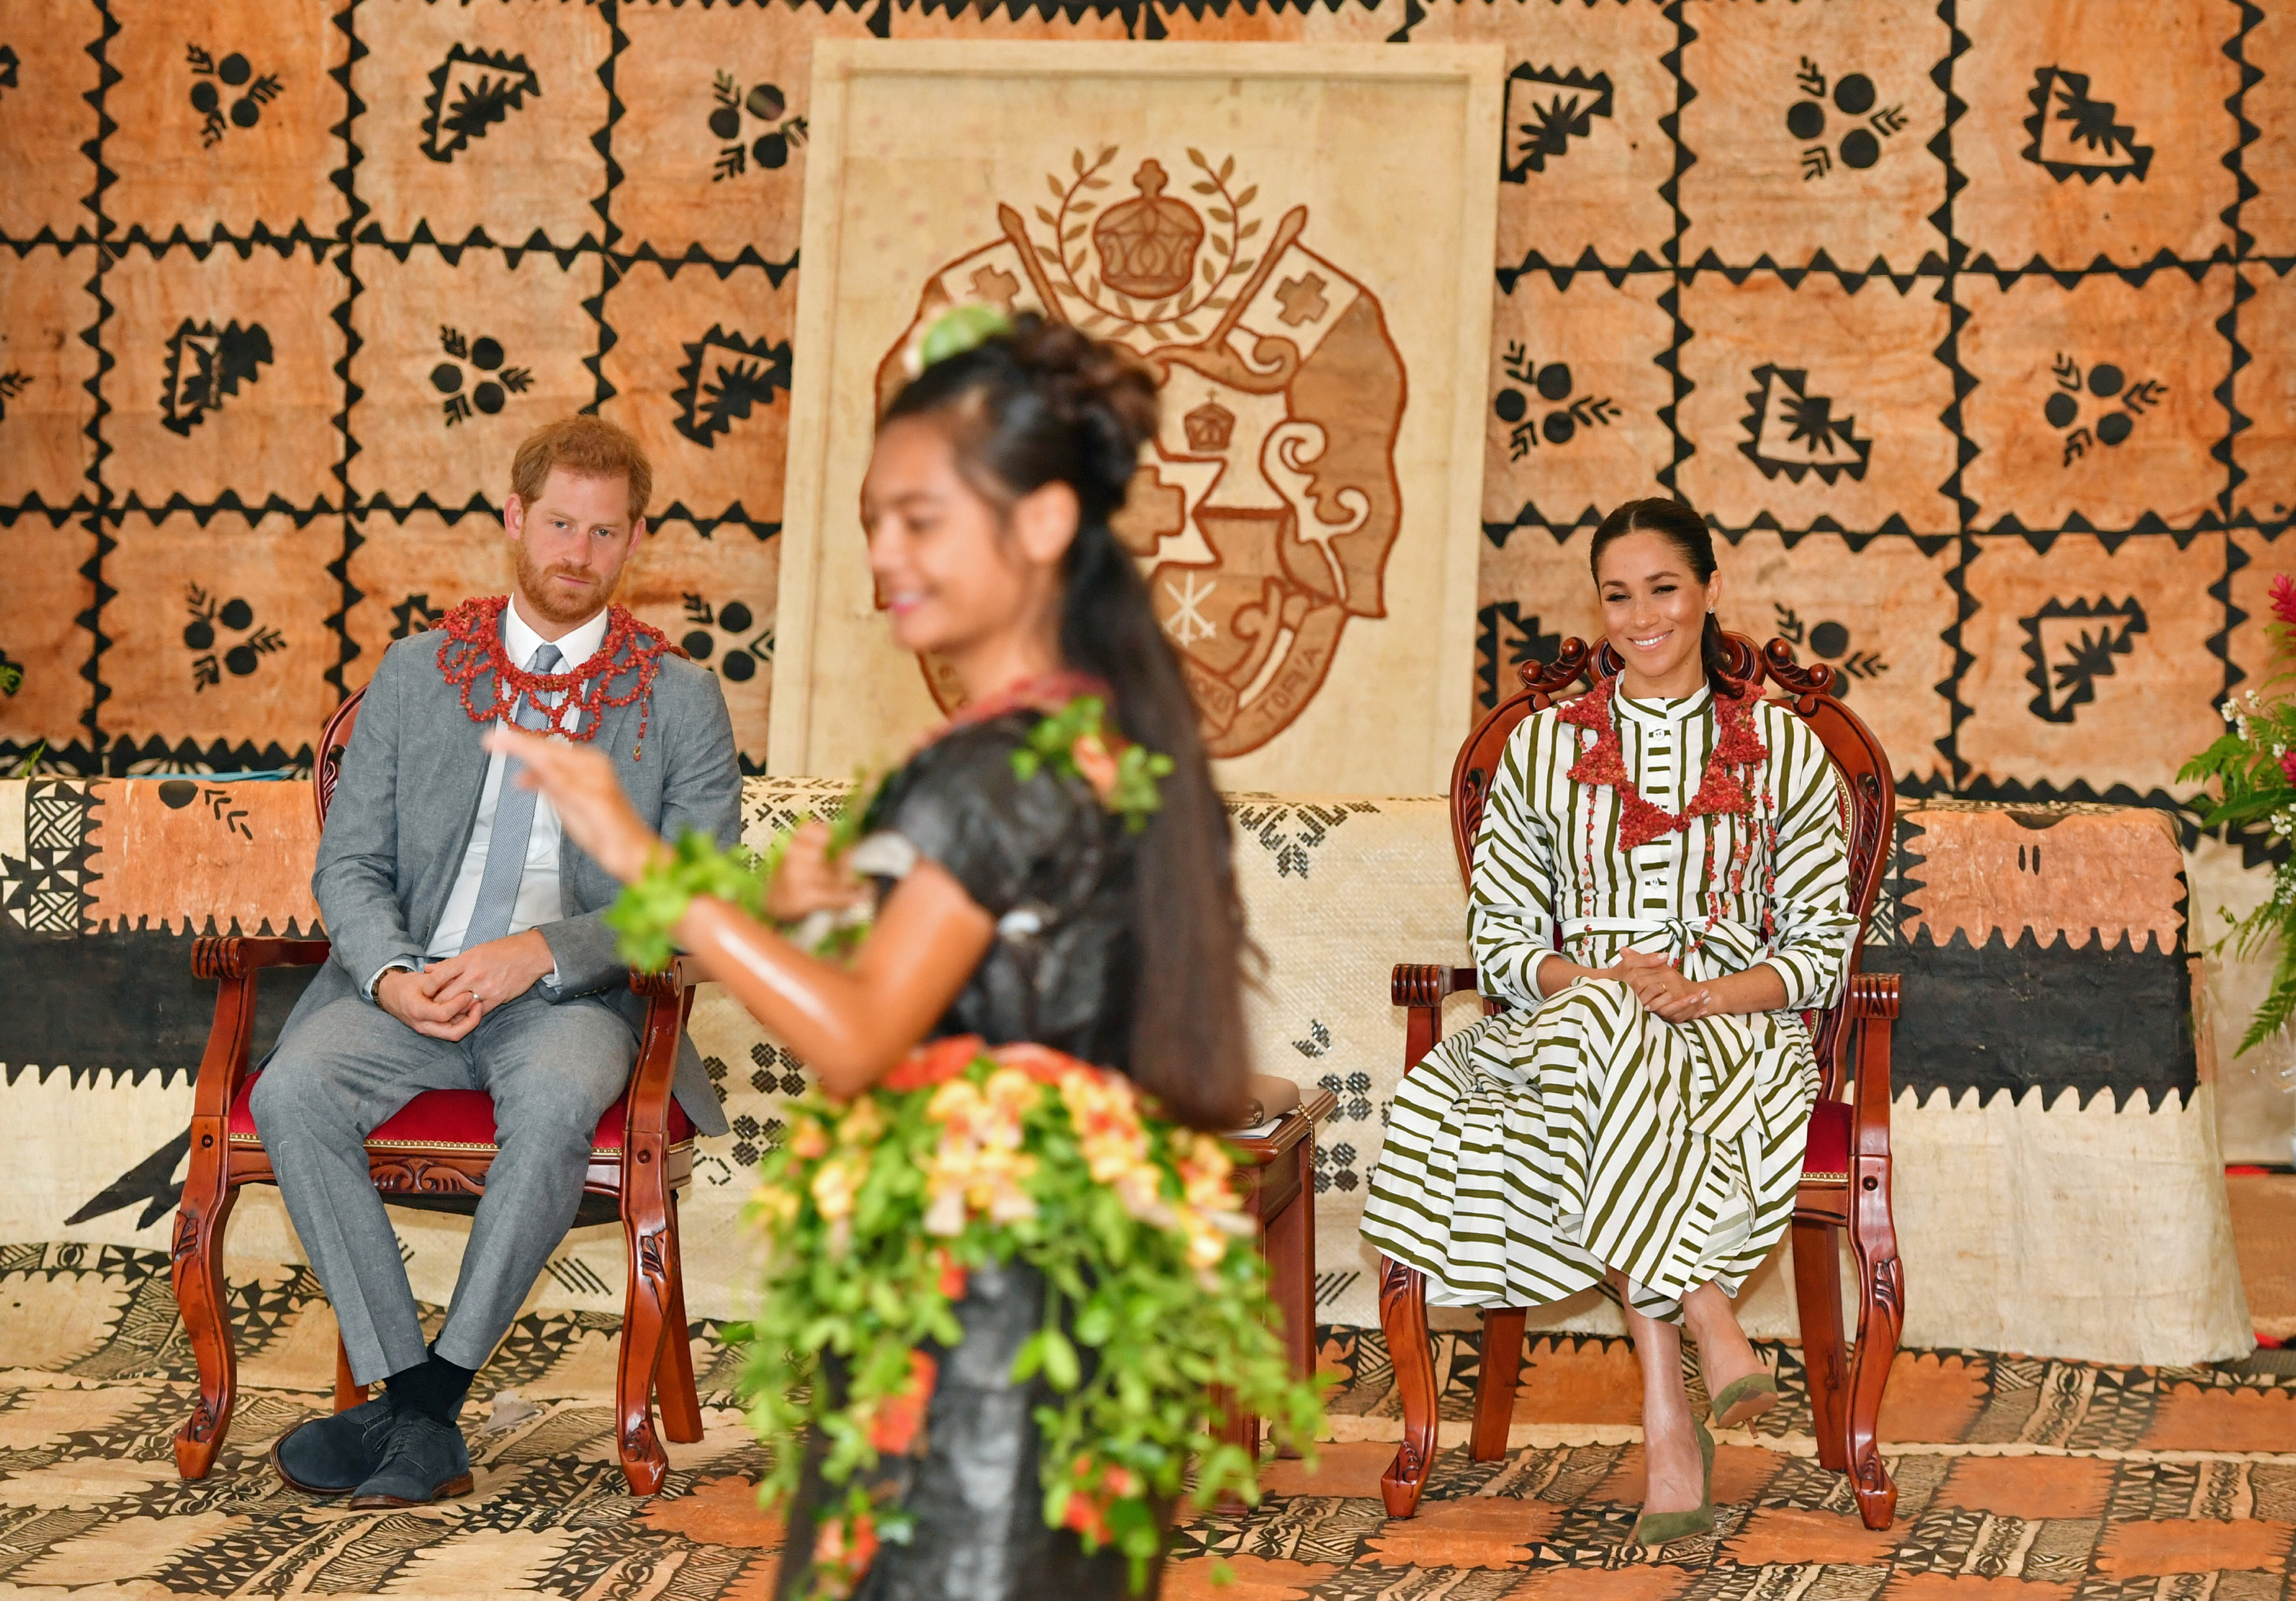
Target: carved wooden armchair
[1845, 1183]
[433, 1153]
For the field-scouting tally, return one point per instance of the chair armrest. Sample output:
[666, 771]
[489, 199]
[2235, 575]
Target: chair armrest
[234, 960]
[1422, 986]
[1427, 983]
[670, 984]
[668, 995]
[1874, 1000]
[241, 955]
[1874, 995]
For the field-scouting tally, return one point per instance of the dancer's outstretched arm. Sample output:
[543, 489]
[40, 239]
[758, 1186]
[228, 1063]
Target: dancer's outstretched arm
[849, 1024]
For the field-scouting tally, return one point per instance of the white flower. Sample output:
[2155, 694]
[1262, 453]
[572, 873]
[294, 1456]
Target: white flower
[945, 1217]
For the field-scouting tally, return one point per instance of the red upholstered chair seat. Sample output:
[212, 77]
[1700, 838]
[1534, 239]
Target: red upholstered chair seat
[456, 1119]
[1827, 1158]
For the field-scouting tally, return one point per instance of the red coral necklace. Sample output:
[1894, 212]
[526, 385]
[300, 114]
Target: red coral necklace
[472, 647]
[1722, 788]
[1047, 693]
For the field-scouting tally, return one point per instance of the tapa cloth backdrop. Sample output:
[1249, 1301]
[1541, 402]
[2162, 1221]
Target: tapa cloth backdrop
[1970, 326]
[2058, 1188]
[1305, 515]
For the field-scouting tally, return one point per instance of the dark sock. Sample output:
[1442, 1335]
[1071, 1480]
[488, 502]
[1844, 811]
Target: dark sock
[434, 1388]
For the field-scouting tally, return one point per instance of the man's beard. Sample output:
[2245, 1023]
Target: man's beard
[534, 587]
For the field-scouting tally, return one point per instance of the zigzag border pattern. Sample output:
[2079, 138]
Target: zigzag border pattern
[92, 620]
[1669, 415]
[617, 41]
[2219, 643]
[345, 178]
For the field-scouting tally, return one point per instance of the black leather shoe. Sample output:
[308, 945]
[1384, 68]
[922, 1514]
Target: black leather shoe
[334, 1455]
[425, 1460]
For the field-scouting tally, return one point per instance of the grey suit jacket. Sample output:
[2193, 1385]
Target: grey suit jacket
[408, 798]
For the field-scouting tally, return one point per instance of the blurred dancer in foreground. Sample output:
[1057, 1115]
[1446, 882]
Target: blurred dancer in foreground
[1052, 900]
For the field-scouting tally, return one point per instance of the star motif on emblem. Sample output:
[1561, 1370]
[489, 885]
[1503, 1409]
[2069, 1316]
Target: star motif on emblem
[1186, 622]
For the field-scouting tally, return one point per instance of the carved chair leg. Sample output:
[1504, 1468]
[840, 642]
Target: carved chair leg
[197, 1270]
[1403, 1315]
[1495, 1382]
[1881, 1317]
[1817, 1296]
[1236, 1428]
[673, 1375]
[348, 1392]
[646, 1311]
[1300, 1330]
[1288, 1241]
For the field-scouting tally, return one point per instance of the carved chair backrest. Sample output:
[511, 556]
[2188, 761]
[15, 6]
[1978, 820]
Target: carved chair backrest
[1869, 792]
[329, 768]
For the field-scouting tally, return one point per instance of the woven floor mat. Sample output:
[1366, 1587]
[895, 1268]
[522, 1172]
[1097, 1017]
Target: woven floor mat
[2018, 1476]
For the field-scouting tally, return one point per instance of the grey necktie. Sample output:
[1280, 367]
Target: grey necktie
[513, 827]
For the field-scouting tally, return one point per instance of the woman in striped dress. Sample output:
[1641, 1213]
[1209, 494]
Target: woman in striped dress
[1660, 888]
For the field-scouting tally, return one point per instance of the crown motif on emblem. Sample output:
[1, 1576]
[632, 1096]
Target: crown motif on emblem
[1148, 245]
[1210, 426]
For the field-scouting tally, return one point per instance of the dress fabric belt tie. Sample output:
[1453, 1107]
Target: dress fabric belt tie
[1679, 931]
[1728, 1106]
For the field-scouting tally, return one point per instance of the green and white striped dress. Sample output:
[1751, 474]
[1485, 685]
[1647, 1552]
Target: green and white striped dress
[1576, 1131]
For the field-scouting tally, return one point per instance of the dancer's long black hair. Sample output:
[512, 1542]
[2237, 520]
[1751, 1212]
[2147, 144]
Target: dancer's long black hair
[1685, 530]
[1044, 404]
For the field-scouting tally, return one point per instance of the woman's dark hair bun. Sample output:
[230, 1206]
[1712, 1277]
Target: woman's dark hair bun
[1049, 402]
[1090, 383]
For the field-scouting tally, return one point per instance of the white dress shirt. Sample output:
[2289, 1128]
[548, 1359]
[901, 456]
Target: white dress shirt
[539, 901]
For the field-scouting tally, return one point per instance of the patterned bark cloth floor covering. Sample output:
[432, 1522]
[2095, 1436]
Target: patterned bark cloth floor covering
[2019, 1477]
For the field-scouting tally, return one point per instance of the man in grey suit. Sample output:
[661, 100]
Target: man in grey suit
[469, 951]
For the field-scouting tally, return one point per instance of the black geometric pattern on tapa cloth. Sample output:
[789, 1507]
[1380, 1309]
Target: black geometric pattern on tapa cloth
[2008, 1468]
[46, 891]
[1842, 201]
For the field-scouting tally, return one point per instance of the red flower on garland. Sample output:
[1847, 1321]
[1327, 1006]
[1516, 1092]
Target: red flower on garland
[1721, 788]
[2283, 599]
[840, 1565]
[936, 1062]
[901, 1419]
[941, 1060]
[1088, 1503]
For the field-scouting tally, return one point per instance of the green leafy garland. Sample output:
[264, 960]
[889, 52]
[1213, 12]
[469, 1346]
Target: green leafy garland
[876, 1210]
[2253, 768]
[1071, 741]
[1074, 742]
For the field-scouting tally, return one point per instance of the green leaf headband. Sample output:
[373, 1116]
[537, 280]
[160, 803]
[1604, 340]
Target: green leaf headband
[955, 332]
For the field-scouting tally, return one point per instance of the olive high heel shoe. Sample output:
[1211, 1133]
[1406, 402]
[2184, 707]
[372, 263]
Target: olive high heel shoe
[1656, 1529]
[1746, 1399]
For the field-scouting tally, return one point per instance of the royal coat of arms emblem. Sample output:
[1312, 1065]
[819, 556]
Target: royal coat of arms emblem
[1264, 514]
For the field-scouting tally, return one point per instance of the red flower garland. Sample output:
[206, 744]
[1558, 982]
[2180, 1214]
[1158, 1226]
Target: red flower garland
[473, 647]
[1720, 789]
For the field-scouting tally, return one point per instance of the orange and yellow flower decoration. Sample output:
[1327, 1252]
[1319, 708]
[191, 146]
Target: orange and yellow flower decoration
[876, 1210]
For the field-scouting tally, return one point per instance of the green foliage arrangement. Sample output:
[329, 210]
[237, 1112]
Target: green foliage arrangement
[876, 1210]
[2252, 766]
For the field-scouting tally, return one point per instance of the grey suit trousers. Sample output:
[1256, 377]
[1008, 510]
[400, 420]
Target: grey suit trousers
[551, 1069]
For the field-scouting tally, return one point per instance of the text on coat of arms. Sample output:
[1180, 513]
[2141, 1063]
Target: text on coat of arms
[1264, 516]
